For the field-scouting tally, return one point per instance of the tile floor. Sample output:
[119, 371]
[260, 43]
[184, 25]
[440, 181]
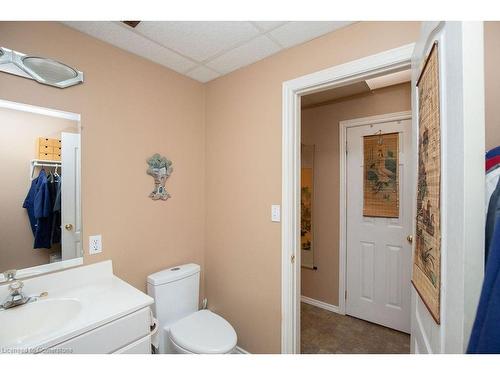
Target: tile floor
[324, 332]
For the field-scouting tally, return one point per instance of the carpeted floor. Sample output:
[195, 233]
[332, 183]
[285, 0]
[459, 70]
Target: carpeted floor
[324, 332]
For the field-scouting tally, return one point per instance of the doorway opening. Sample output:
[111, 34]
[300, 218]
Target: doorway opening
[462, 185]
[355, 216]
[312, 283]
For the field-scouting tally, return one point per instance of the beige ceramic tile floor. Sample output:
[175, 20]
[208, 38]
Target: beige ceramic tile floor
[326, 332]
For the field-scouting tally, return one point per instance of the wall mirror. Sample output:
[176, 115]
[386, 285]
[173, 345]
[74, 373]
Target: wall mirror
[40, 225]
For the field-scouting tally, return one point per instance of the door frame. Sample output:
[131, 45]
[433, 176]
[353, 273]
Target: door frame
[368, 67]
[343, 126]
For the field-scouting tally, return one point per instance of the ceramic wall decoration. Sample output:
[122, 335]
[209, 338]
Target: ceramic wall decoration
[160, 168]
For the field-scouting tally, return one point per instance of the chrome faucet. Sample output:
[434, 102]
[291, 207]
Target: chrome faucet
[16, 296]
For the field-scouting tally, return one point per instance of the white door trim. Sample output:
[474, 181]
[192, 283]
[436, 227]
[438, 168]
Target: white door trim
[340, 75]
[343, 126]
[461, 75]
[320, 304]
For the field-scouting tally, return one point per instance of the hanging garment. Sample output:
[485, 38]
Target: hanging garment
[39, 205]
[492, 163]
[485, 336]
[43, 214]
[491, 218]
[492, 178]
[56, 209]
[493, 152]
[29, 205]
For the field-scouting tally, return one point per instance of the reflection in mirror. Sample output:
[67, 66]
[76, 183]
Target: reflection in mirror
[40, 225]
[306, 206]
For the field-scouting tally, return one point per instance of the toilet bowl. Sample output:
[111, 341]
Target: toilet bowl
[203, 332]
[183, 328]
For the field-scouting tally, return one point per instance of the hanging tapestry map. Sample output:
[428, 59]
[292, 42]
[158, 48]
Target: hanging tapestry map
[427, 258]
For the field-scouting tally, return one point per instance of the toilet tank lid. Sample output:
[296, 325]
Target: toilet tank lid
[173, 274]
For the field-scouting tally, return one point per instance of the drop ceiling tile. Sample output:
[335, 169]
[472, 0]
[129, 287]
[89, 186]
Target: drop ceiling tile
[202, 74]
[296, 32]
[246, 54]
[268, 25]
[229, 44]
[121, 37]
[199, 40]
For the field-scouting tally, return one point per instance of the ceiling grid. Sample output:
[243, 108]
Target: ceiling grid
[205, 50]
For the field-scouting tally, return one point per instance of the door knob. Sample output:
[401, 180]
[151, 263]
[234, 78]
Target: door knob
[409, 238]
[68, 226]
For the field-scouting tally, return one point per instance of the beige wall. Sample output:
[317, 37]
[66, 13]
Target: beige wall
[230, 128]
[492, 83]
[19, 132]
[320, 127]
[131, 108]
[243, 158]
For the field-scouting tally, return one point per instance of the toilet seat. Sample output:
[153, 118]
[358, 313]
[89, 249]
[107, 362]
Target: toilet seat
[203, 332]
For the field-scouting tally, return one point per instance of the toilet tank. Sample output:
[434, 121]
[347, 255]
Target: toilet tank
[176, 293]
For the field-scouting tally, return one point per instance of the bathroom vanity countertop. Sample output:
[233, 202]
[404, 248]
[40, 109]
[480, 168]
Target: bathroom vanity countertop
[99, 295]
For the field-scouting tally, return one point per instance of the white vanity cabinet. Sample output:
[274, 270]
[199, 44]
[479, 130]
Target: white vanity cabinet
[127, 335]
[84, 310]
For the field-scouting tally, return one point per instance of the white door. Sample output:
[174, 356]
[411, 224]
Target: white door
[70, 196]
[461, 84]
[378, 253]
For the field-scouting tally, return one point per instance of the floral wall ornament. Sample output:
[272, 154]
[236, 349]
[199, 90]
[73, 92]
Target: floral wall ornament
[160, 168]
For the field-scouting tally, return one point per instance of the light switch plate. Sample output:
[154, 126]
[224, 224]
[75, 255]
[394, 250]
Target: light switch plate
[95, 244]
[276, 213]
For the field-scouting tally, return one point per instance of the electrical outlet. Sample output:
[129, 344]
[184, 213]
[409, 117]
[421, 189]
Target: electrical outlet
[275, 213]
[95, 244]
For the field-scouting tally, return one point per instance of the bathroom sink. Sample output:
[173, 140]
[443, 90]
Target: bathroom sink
[75, 302]
[27, 323]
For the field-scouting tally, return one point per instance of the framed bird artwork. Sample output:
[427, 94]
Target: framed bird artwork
[381, 177]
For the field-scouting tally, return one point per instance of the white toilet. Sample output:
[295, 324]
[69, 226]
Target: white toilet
[182, 327]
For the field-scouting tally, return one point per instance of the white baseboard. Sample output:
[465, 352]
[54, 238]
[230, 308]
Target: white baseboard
[239, 350]
[321, 305]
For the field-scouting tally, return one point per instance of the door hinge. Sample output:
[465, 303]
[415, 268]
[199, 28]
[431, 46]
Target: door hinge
[346, 294]
[292, 258]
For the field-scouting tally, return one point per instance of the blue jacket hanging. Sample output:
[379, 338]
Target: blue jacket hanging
[56, 210]
[28, 204]
[485, 336]
[491, 217]
[39, 206]
[493, 152]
